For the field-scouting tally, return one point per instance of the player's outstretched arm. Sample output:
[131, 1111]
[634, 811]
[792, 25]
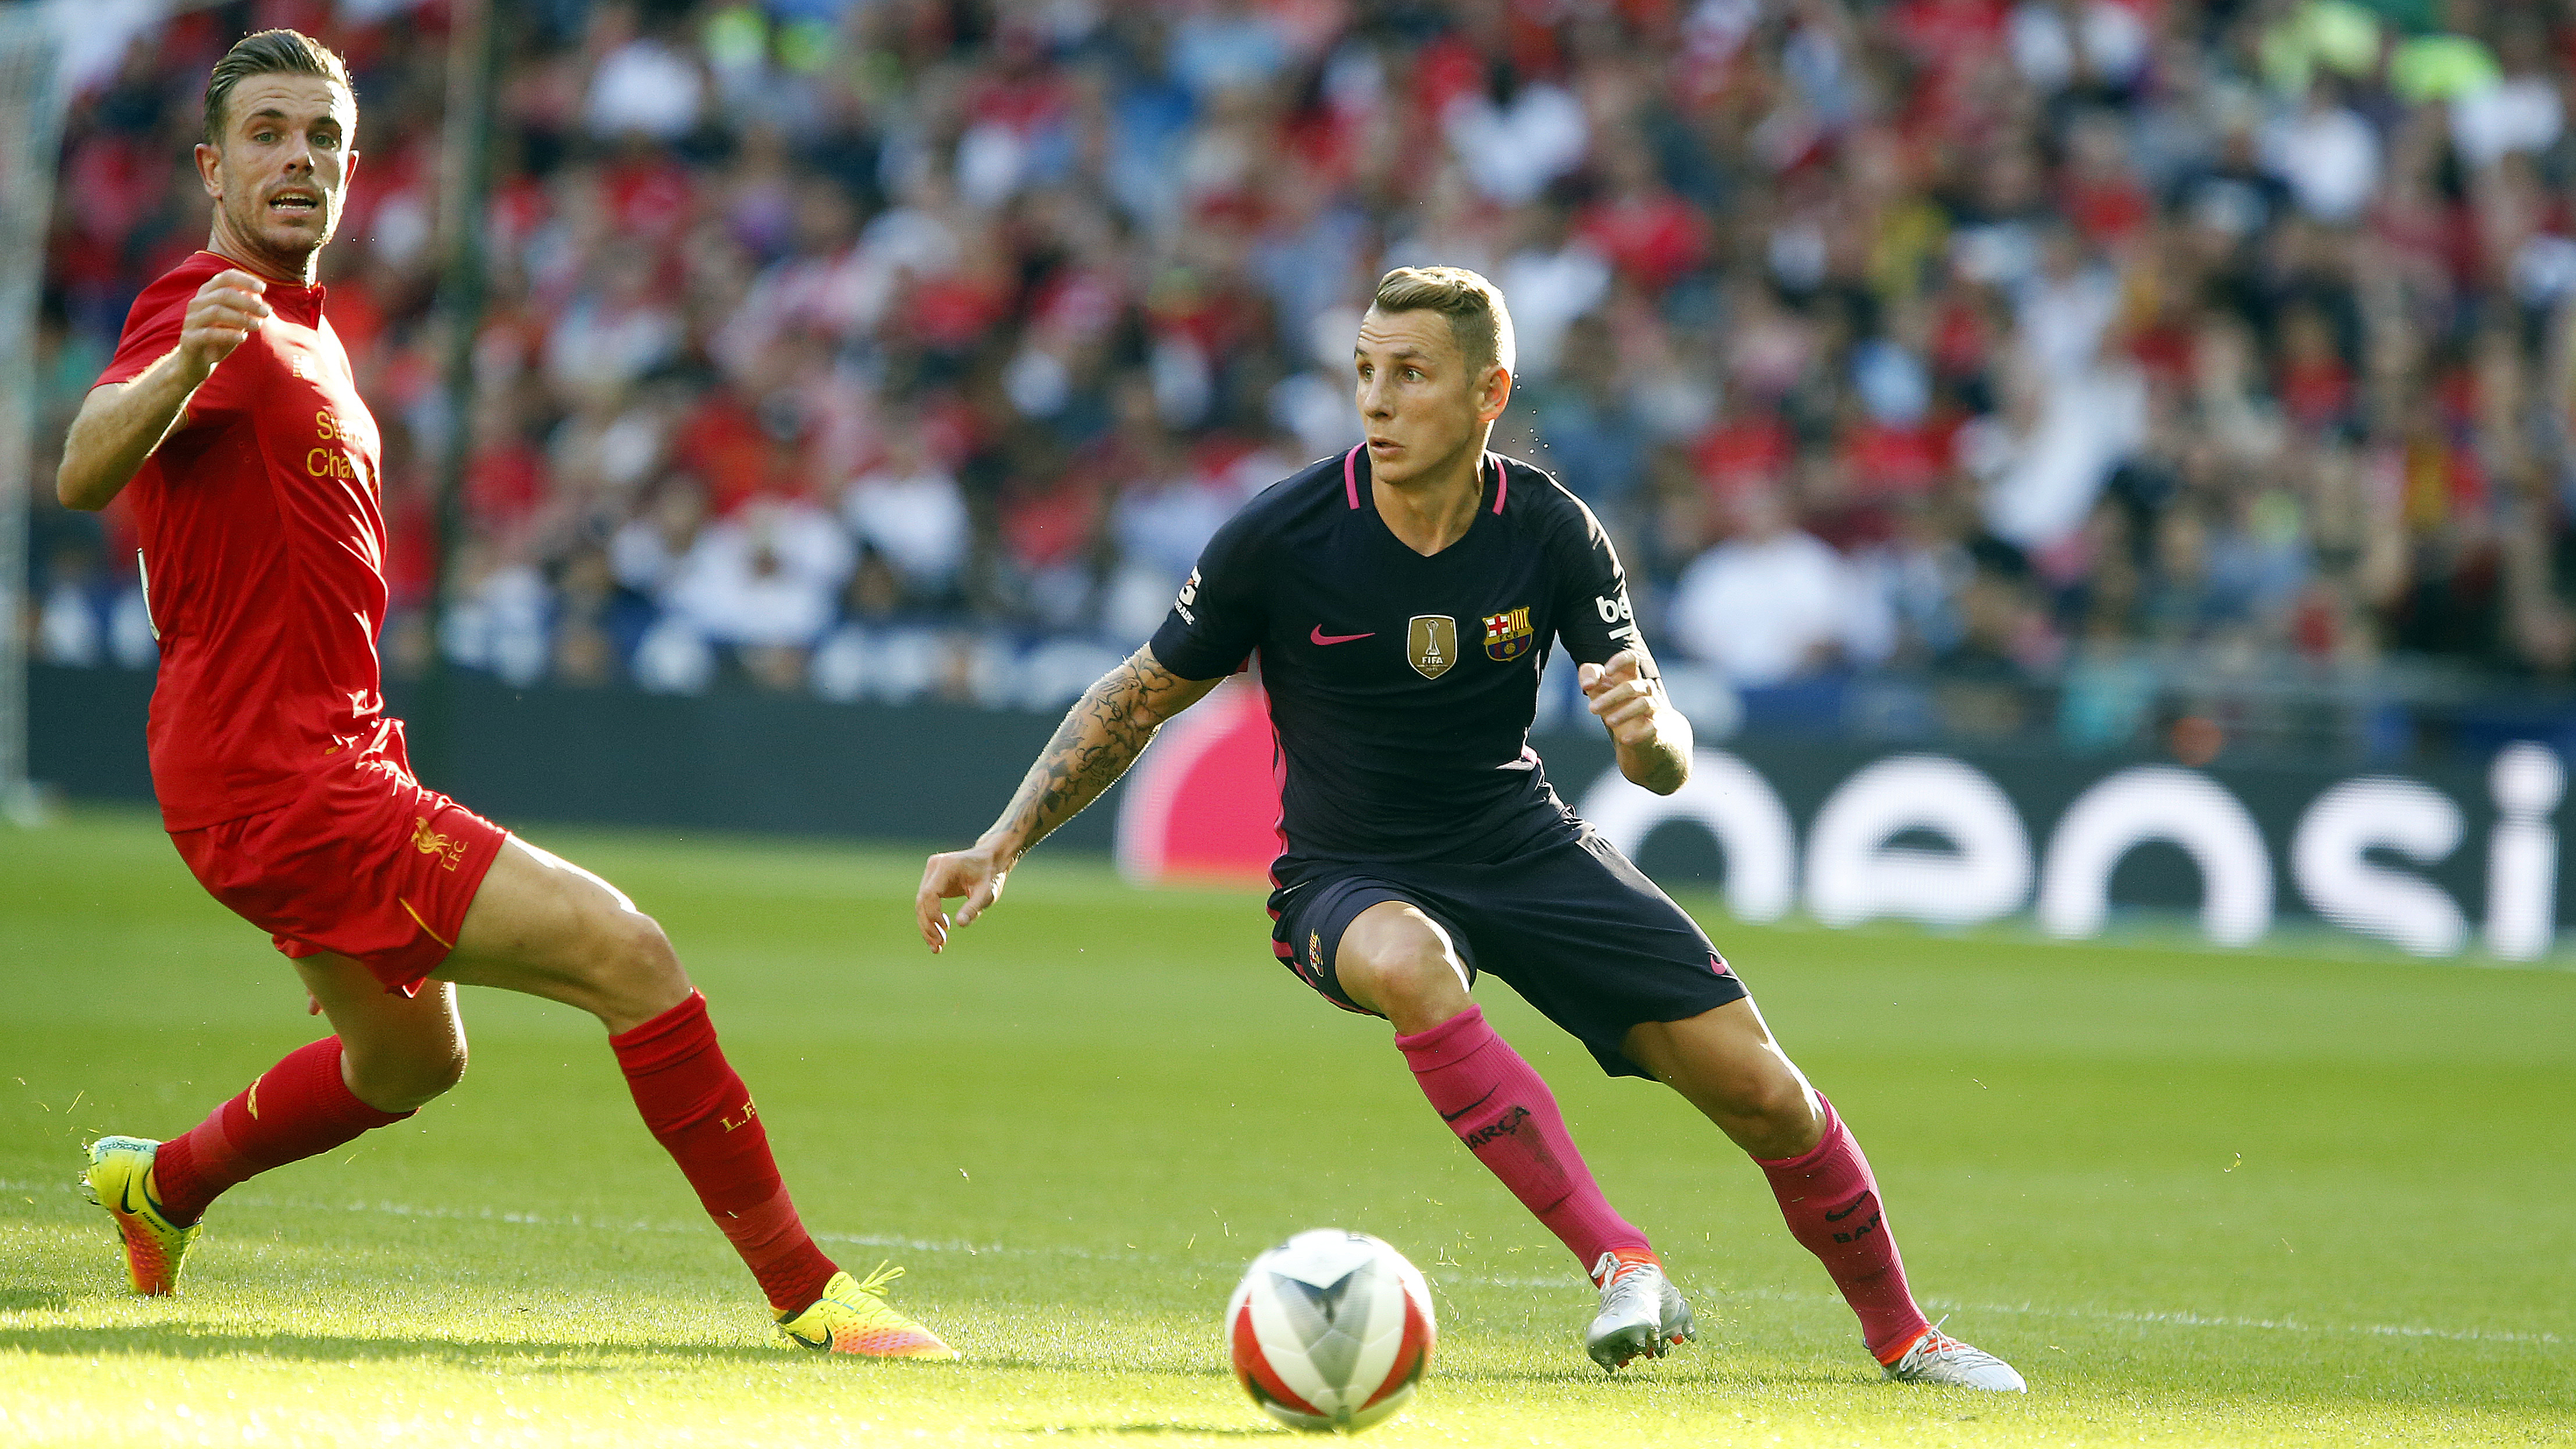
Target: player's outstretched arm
[1653, 738]
[1101, 736]
[122, 422]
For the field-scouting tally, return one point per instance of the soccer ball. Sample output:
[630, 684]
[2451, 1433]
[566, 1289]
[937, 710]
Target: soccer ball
[1330, 1330]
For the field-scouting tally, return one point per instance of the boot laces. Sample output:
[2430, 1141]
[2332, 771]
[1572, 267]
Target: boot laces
[1624, 1281]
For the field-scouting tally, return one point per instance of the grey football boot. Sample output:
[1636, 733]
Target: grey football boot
[1937, 1358]
[1642, 1313]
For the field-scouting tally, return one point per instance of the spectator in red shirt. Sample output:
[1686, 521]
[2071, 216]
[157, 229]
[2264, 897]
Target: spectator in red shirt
[1748, 449]
[1646, 231]
[2313, 382]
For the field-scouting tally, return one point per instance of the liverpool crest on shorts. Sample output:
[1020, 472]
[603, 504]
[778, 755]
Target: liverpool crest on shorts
[1431, 644]
[1507, 635]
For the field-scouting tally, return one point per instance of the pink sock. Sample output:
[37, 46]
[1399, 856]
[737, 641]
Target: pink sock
[297, 1109]
[1833, 1208]
[1498, 1106]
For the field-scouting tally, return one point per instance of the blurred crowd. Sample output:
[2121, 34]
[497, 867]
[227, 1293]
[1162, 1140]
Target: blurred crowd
[898, 348]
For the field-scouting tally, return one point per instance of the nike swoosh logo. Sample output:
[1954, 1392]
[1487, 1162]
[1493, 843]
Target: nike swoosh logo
[1470, 1107]
[1320, 637]
[135, 1202]
[1835, 1217]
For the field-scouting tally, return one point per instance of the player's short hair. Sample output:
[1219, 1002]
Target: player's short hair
[1474, 307]
[268, 52]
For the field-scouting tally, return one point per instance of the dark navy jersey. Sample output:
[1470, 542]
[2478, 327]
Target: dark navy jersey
[1402, 686]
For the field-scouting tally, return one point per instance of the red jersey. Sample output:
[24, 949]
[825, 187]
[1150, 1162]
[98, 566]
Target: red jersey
[263, 548]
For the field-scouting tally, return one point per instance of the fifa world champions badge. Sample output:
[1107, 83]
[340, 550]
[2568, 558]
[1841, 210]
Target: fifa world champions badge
[1431, 644]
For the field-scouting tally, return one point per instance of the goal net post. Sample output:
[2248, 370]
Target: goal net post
[30, 133]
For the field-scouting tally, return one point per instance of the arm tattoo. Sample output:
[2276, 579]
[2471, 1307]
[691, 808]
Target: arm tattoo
[1101, 736]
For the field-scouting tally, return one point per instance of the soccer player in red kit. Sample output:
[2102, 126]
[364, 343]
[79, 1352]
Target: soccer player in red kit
[229, 417]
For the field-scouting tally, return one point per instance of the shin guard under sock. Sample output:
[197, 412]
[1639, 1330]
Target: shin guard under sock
[1831, 1202]
[700, 1112]
[297, 1109]
[1505, 1114]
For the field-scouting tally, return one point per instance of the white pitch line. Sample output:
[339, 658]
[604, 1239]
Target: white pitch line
[2188, 1319]
[2175, 1319]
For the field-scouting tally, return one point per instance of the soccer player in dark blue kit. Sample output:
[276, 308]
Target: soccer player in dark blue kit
[1401, 599]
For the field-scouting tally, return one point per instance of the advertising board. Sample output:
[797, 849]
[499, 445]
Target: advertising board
[2439, 865]
[2444, 861]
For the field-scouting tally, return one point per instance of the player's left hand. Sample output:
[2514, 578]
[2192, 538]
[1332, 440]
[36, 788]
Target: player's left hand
[1624, 698]
[973, 873]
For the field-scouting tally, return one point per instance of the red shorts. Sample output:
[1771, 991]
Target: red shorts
[366, 863]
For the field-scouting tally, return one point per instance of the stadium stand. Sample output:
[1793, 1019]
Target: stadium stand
[2047, 370]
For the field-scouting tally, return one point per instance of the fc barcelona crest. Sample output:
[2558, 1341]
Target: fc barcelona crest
[1431, 644]
[1507, 635]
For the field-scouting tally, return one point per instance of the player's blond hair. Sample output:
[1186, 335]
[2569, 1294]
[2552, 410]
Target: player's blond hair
[268, 52]
[1474, 307]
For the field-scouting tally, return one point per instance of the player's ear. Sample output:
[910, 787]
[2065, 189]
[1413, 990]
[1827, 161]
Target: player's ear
[344, 109]
[1493, 393]
[210, 170]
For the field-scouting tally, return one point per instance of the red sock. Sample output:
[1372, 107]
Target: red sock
[1498, 1106]
[702, 1115]
[1833, 1208]
[299, 1108]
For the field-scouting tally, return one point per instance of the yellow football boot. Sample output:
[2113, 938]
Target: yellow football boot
[119, 1180]
[851, 1318]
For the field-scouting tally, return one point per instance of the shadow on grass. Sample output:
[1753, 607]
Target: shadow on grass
[189, 1341]
[1667, 1375]
[196, 1341]
[1146, 1431]
[33, 1300]
[1072, 1364]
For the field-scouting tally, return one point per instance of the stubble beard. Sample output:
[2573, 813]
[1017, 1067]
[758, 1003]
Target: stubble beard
[293, 260]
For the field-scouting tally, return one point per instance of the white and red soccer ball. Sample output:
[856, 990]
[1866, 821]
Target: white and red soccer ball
[1330, 1330]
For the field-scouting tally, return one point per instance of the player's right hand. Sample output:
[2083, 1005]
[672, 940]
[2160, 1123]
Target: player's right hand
[974, 873]
[222, 317]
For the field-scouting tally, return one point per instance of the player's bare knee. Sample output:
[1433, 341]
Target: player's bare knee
[1411, 978]
[632, 967]
[1767, 1113]
[1777, 1100]
[611, 942]
[643, 944]
[437, 1076]
[408, 1081]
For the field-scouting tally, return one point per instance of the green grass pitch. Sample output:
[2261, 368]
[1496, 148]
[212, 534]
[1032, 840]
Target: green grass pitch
[2199, 1198]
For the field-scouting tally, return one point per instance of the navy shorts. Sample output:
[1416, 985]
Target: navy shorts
[1574, 927]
